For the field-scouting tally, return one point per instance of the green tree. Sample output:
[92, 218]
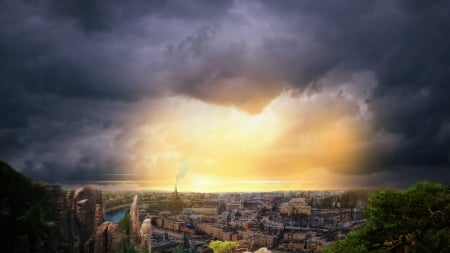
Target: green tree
[124, 223]
[34, 220]
[223, 247]
[128, 247]
[413, 220]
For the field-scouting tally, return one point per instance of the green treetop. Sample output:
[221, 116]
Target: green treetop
[223, 247]
[413, 220]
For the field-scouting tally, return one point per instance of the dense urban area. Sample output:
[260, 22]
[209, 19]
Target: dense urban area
[40, 217]
[300, 221]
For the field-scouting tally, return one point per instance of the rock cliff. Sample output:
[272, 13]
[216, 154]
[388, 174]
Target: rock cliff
[146, 233]
[108, 239]
[83, 213]
[35, 217]
[74, 218]
[135, 225]
[83, 224]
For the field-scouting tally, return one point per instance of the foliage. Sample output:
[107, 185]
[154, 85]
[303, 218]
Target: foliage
[223, 247]
[34, 218]
[124, 223]
[15, 188]
[22, 216]
[131, 249]
[355, 242]
[414, 220]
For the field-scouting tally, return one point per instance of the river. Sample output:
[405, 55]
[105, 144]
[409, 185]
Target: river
[115, 216]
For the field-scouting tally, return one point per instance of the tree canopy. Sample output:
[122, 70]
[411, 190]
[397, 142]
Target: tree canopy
[412, 220]
[223, 247]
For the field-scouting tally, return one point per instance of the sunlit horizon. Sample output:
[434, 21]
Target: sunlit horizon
[295, 142]
[261, 186]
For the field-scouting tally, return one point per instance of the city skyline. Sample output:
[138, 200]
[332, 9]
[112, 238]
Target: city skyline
[226, 95]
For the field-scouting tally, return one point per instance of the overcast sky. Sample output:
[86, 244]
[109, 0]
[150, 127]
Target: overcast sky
[291, 94]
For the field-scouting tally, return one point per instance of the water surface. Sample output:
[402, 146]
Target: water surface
[115, 216]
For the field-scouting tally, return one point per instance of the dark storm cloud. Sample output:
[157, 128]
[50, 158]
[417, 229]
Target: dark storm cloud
[404, 43]
[411, 100]
[72, 70]
[102, 15]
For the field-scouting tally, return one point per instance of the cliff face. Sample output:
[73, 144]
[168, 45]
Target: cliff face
[85, 222]
[35, 217]
[73, 217]
[83, 213]
[146, 233]
[107, 239]
[134, 219]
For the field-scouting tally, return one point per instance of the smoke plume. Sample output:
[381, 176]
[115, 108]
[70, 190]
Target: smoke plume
[183, 170]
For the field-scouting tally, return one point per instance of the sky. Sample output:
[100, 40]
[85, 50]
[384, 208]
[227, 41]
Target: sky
[226, 95]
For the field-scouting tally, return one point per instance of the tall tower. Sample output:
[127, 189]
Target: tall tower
[184, 242]
[176, 191]
[183, 245]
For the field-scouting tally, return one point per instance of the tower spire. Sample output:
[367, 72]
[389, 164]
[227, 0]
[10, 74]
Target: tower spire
[176, 191]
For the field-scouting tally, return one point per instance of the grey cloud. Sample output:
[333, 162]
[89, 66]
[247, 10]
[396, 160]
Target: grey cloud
[60, 59]
[101, 15]
[403, 42]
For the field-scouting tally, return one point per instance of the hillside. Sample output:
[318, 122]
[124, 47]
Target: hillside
[37, 217]
[24, 210]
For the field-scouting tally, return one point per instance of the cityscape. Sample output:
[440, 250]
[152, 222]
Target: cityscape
[300, 221]
[224, 126]
[41, 217]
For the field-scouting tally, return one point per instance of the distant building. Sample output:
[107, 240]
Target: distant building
[234, 205]
[295, 206]
[203, 210]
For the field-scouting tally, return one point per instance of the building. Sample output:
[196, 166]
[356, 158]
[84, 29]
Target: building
[203, 210]
[295, 206]
[234, 205]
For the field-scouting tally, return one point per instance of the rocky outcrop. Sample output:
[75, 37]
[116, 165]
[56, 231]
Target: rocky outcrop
[146, 233]
[135, 225]
[81, 221]
[83, 213]
[37, 217]
[54, 201]
[108, 239]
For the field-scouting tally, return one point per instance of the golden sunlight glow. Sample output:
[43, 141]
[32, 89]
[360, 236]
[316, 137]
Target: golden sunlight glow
[296, 142]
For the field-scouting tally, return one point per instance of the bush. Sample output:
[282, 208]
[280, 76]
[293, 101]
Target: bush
[223, 247]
